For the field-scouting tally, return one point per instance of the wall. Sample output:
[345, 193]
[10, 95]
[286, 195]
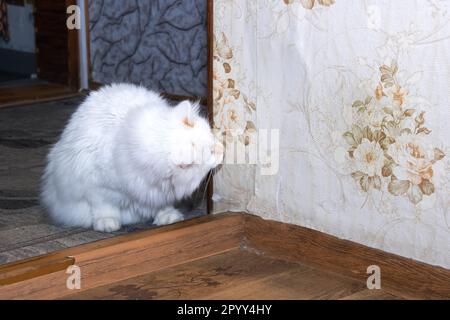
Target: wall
[359, 93]
[161, 44]
[18, 54]
[21, 29]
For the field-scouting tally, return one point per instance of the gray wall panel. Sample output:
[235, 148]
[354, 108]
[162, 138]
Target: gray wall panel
[159, 43]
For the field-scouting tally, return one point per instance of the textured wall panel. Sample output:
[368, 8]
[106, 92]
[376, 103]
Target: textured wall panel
[161, 44]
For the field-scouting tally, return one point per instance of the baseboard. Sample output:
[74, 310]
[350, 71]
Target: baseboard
[120, 258]
[404, 277]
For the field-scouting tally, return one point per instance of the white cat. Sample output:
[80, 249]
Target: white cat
[126, 156]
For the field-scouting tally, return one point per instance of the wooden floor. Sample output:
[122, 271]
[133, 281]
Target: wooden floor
[226, 256]
[33, 92]
[235, 274]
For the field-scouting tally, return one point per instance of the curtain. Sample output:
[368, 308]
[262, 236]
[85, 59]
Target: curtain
[4, 34]
[358, 91]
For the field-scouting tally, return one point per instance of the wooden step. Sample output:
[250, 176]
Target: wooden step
[109, 263]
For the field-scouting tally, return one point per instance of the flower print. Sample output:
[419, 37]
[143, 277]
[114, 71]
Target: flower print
[369, 157]
[389, 143]
[229, 120]
[309, 4]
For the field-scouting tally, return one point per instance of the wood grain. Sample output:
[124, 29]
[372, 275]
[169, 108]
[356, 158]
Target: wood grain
[192, 280]
[33, 267]
[298, 283]
[407, 278]
[374, 294]
[228, 256]
[135, 254]
[232, 275]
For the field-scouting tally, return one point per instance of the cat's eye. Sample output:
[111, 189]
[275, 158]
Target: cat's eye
[185, 165]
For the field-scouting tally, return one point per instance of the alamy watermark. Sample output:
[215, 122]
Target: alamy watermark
[374, 280]
[73, 281]
[261, 148]
[73, 21]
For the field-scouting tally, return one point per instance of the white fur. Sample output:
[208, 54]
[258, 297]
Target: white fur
[126, 156]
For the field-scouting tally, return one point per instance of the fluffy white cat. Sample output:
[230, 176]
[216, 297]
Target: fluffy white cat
[126, 156]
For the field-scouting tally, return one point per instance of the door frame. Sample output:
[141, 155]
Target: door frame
[73, 48]
[210, 93]
[74, 53]
[32, 93]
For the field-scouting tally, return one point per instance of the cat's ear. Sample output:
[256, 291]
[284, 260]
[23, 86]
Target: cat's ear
[187, 113]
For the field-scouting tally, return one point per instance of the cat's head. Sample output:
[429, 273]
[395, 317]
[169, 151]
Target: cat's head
[192, 142]
[177, 144]
[194, 150]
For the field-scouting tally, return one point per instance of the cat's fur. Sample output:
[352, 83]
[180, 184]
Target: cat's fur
[126, 156]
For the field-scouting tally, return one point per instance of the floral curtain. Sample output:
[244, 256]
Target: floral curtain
[4, 34]
[359, 91]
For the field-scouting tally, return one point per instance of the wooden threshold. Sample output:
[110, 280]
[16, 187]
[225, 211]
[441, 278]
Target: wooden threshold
[33, 93]
[34, 267]
[122, 257]
[143, 253]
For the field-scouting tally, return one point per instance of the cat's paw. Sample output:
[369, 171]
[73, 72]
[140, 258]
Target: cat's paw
[108, 224]
[168, 216]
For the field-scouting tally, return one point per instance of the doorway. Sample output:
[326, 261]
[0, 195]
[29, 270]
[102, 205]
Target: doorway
[38, 53]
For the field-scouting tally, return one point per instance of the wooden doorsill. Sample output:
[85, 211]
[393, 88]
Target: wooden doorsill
[124, 257]
[35, 93]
